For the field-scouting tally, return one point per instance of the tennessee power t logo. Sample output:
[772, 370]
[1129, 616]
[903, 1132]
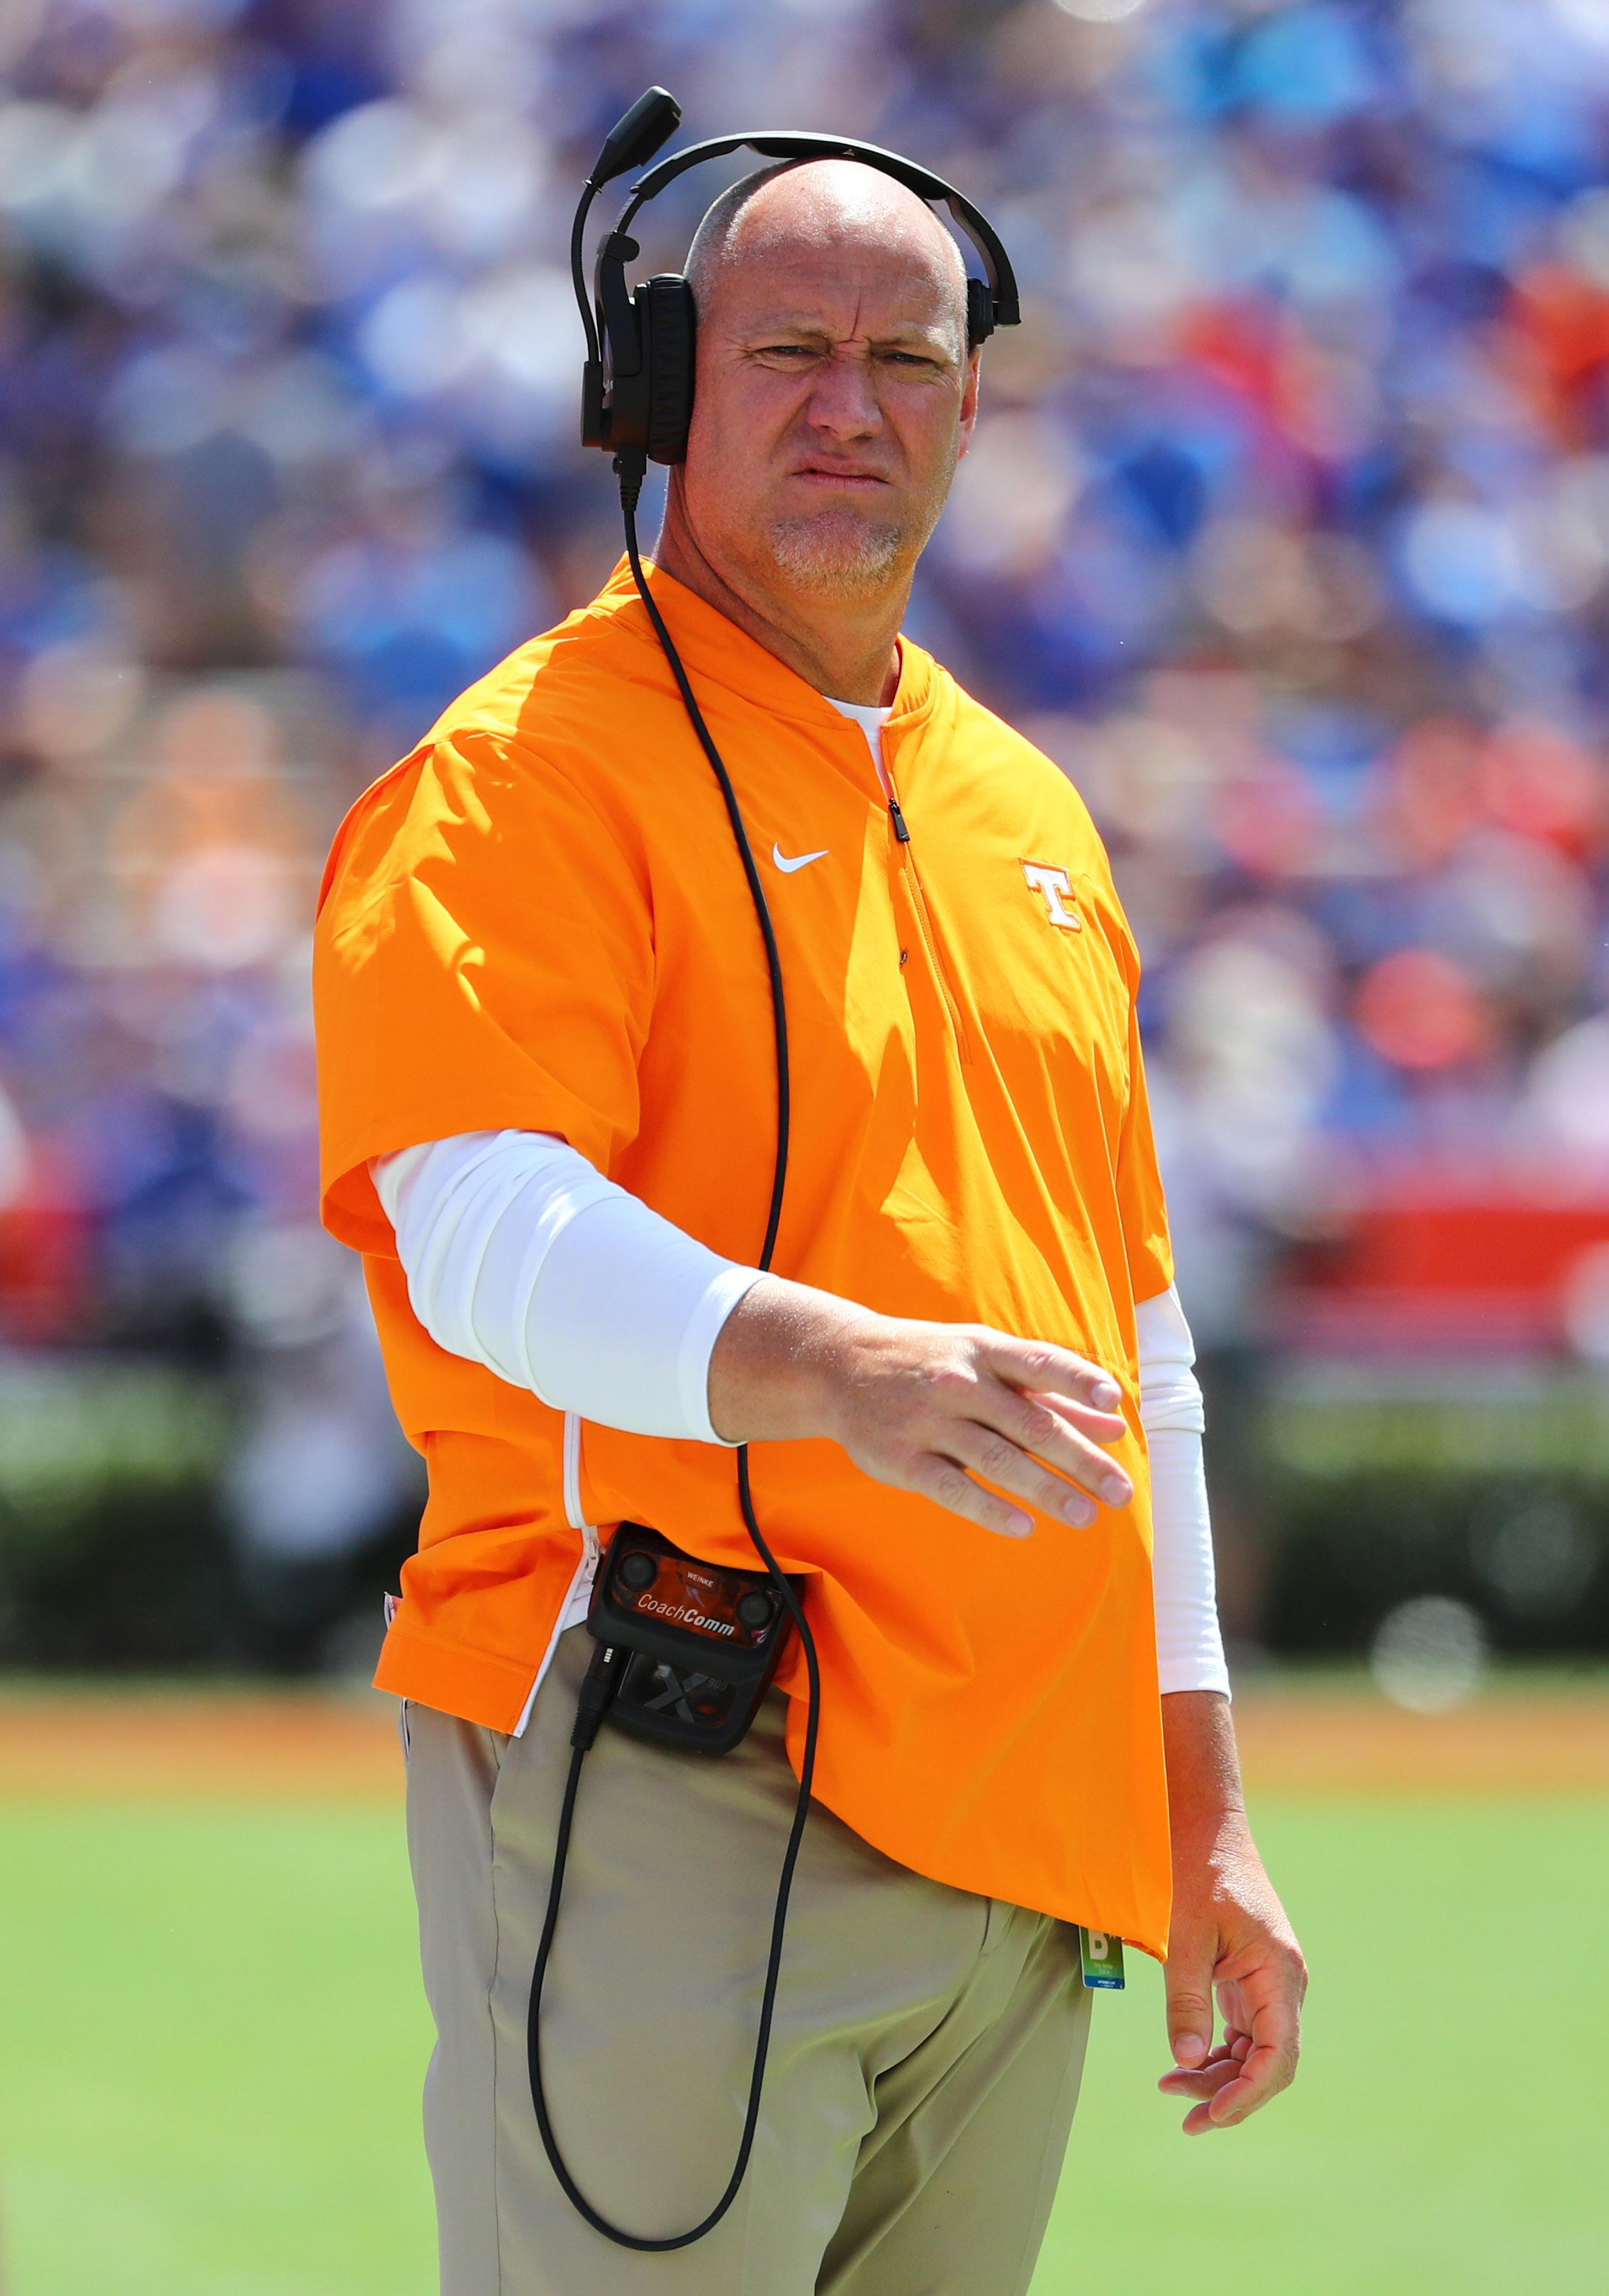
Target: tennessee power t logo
[1056, 886]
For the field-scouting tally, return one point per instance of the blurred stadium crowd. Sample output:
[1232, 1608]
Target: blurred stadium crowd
[1286, 531]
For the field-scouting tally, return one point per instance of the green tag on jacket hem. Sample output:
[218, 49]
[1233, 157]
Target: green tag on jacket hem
[1103, 1961]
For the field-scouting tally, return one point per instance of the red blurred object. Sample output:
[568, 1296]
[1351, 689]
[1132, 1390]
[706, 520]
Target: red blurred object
[1537, 782]
[1269, 822]
[1239, 343]
[43, 1263]
[1419, 1010]
[1432, 797]
[1427, 1270]
[1561, 322]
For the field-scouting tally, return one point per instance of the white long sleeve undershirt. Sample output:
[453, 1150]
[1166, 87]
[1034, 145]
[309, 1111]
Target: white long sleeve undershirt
[520, 1256]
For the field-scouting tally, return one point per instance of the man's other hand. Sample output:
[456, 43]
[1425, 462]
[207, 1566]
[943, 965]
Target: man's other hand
[1229, 1936]
[945, 1409]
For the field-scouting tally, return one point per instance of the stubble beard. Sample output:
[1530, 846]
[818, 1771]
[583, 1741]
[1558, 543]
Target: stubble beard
[836, 555]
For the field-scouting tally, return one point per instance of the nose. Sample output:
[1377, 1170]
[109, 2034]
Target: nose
[843, 403]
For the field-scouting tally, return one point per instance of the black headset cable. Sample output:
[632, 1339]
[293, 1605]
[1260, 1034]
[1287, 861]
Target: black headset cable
[630, 468]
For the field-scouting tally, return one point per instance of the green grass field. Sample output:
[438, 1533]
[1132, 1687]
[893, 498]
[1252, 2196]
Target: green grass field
[213, 2038]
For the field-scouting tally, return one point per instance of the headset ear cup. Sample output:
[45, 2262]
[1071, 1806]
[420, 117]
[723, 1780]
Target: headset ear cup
[670, 322]
[980, 313]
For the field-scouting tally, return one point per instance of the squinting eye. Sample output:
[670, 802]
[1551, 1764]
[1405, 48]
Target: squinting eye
[786, 351]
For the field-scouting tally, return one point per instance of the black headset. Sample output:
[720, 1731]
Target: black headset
[637, 405]
[638, 398]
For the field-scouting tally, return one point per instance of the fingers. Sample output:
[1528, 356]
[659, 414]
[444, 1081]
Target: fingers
[1037, 1426]
[988, 1453]
[1203, 2085]
[1005, 1457]
[1190, 2007]
[934, 1409]
[1237, 2078]
[1264, 2073]
[1037, 1368]
[942, 1480]
[1221, 2068]
[1268, 2009]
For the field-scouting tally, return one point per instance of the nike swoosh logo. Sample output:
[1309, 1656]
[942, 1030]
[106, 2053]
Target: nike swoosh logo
[799, 861]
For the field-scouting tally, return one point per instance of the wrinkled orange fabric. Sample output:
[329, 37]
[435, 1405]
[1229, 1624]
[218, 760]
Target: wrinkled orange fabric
[539, 919]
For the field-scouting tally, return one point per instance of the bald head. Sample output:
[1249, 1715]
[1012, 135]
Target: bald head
[839, 210]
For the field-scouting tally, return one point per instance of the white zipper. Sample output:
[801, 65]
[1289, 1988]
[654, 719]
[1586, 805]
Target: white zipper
[586, 1568]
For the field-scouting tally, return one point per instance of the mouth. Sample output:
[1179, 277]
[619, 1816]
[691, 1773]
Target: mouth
[829, 474]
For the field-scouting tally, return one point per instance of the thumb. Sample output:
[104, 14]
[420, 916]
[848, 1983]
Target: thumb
[1189, 1981]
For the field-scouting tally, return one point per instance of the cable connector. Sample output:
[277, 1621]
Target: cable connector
[631, 468]
[597, 1696]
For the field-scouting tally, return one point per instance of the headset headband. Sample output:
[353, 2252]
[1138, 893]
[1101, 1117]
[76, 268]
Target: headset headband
[788, 143]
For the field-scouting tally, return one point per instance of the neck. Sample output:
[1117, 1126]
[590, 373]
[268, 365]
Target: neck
[849, 650]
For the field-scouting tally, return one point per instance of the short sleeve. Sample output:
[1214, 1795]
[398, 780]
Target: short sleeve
[483, 961]
[1141, 1206]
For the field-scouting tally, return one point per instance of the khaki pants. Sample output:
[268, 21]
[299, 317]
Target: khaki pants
[925, 2054]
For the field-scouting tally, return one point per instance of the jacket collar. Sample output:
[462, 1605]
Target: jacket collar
[714, 648]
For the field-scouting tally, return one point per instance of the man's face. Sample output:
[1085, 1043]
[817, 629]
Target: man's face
[834, 396]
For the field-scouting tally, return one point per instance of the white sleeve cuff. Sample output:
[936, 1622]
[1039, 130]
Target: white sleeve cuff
[1189, 1644]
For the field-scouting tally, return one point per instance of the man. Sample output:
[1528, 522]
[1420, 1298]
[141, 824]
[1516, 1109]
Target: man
[549, 1109]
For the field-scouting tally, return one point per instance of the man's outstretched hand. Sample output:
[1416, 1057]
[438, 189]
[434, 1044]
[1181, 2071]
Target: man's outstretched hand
[983, 1423]
[1229, 1936]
